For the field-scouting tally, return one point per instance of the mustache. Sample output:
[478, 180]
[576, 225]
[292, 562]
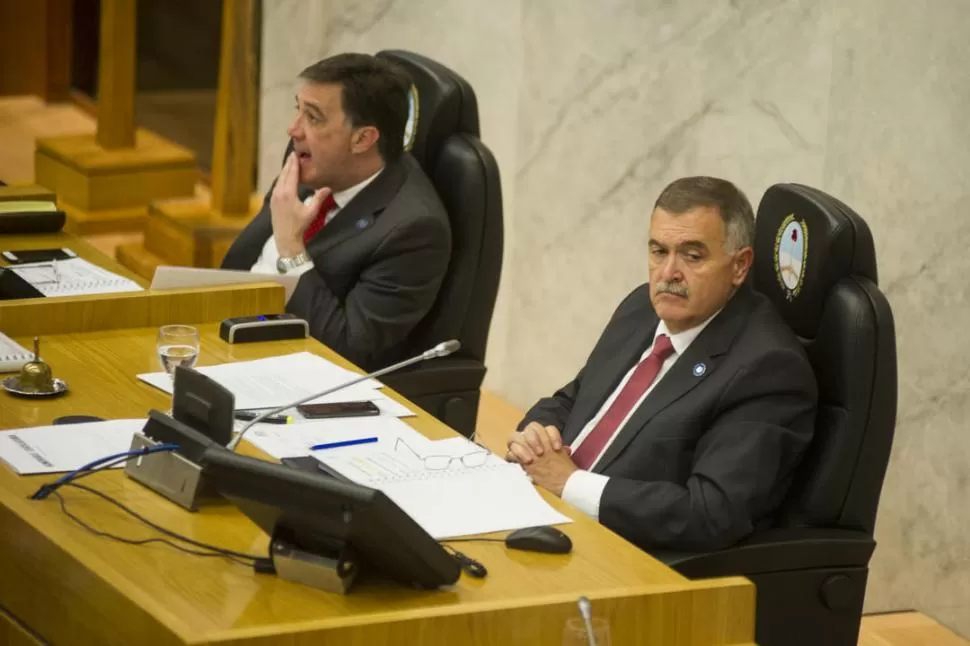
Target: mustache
[677, 289]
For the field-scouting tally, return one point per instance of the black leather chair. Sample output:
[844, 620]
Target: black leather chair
[446, 143]
[810, 563]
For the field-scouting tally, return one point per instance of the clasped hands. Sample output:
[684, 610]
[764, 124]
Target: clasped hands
[289, 214]
[540, 451]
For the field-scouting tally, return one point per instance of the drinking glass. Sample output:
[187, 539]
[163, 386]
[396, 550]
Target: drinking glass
[575, 632]
[178, 345]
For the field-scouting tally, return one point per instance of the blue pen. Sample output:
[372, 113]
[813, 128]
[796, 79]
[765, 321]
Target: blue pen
[337, 445]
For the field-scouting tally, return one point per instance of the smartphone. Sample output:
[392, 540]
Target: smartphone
[37, 255]
[339, 409]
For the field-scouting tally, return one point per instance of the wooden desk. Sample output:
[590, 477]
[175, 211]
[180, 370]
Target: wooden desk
[69, 314]
[71, 587]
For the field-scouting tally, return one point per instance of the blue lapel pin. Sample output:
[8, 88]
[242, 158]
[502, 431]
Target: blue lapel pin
[699, 369]
[362, 223]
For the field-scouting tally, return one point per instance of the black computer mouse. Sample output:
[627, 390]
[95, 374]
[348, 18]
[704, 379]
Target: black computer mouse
[539, 539]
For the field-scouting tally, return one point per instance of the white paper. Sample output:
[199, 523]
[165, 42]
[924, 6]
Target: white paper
[66, 447]
[295, 440]
[13, 356]
[184, 277]
[73, 277]
[458, 501]
[276, 381]
[390, 406]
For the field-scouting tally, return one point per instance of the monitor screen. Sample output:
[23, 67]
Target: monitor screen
[317, 513]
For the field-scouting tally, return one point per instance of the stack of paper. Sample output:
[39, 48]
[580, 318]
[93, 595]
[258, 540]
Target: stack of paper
[52, 449]
[73, 277]
[460, 500]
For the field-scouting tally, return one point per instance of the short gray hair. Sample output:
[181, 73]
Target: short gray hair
[688, 193]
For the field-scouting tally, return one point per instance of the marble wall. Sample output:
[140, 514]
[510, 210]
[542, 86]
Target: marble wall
[591, 108]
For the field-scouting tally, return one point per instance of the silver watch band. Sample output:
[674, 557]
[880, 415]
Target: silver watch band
[283, 265]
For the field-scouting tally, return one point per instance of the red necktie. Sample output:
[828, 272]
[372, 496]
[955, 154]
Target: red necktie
[328, 205]
[641, 379]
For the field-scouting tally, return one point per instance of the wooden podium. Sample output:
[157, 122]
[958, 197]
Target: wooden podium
[190, 232]
[105, 181]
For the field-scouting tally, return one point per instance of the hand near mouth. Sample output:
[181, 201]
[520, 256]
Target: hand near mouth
[290, 216]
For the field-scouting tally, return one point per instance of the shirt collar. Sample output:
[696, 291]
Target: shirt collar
[682, 340]
[342, 198]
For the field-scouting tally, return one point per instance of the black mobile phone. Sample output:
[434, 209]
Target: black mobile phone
[339, 409]
[23, 256]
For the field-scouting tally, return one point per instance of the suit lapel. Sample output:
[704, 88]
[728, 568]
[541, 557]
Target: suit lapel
[699, 361]
[606, 378]
[360, 213]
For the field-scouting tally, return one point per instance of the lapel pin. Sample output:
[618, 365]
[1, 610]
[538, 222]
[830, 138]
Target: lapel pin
[699, 369]
[362, 223]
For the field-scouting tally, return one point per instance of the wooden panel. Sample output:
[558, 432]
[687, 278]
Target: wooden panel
[35, 48]
[150, 152]
[155, 595]
[116, 75]
[68, 314]
[234, 146]
[12, 633]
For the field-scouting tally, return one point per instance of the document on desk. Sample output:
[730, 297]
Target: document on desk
[295, 440]
[73, 277]
[65, 447]
[184, 277]
[275, 381]
[457, 501]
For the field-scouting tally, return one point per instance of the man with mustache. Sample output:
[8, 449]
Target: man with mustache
[352, 214]
[683, 429]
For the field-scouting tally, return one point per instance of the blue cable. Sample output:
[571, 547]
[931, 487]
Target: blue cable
[105, 462]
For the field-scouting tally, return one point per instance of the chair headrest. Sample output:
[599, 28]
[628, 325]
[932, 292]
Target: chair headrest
[805, 242]
[442, 103]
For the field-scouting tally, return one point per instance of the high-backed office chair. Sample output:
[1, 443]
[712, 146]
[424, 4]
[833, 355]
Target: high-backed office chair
[464, 172]
[814, 258]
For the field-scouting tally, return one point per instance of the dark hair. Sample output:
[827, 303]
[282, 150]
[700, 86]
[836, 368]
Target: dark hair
[687, 193]
[374, 93]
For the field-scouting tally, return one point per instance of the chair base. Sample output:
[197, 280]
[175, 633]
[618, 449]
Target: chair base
[459, 410]
[810, 607]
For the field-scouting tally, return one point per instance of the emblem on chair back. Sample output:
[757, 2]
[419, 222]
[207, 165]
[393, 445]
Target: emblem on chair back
[411, 127]
[791, 255]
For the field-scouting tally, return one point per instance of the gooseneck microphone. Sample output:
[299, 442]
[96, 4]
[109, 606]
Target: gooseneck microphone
[441, 350]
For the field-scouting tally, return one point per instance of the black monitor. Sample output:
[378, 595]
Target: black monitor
[324, 531]
[203, 404]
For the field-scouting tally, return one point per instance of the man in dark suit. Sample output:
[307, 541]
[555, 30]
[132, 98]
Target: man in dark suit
[684, 427]
[352, 214]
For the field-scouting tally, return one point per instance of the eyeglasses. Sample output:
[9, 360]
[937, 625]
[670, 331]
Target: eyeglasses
[469, 460]
[44, 277]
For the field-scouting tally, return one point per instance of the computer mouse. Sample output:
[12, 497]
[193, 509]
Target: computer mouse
[539, 539]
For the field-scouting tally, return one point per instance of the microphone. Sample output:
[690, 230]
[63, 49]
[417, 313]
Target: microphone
[441, 350]
[586, 610]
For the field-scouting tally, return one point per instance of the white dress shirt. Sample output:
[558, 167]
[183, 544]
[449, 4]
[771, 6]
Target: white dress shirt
[584, 489]
[266, 263]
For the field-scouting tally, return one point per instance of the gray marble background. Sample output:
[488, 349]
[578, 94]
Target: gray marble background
[592, 107]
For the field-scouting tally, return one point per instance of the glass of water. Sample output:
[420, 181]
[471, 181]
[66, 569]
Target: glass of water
[178, 345]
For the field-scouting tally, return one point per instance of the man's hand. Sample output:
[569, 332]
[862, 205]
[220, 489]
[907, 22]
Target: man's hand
[540, 451]
[289, 215]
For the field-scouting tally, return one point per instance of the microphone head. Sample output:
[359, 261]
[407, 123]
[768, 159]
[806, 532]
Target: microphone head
[445, 348]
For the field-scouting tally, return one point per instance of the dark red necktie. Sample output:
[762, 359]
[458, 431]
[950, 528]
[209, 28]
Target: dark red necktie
[641, 379]
[329, 204]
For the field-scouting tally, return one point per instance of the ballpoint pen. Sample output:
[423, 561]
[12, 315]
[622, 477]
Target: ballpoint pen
[337, 445]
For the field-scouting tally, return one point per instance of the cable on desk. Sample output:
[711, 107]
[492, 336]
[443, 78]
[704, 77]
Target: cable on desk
[206, 549]
[99, 465]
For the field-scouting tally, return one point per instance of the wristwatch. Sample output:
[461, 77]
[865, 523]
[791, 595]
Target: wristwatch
[283, 265]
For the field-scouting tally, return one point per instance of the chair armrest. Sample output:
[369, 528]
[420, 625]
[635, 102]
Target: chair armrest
[444, 375]
[777, 550]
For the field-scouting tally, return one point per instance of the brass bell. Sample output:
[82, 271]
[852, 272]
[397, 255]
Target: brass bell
[35, 376]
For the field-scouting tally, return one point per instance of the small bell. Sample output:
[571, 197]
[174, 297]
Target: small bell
[35, 376]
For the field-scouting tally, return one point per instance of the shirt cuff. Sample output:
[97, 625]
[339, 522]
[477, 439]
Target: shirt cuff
[584, 490]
